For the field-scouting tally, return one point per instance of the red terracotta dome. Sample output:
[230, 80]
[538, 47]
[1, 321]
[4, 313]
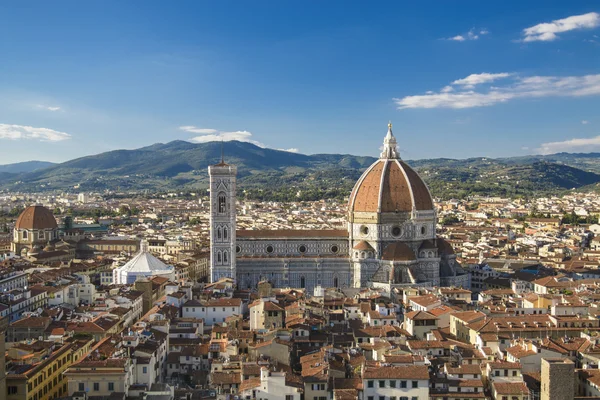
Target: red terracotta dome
[390, 185]
[36, 217]
[398, 251]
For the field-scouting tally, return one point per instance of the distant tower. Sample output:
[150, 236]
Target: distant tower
[558, 379]
[222, 220]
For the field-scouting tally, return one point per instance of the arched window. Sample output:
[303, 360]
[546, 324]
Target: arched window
[24, 234]
[219, 233]
[218, 256]
[225, 233]
[40, 234]
[222, 203]
[302, 282]
[224, 256]
[335, 282]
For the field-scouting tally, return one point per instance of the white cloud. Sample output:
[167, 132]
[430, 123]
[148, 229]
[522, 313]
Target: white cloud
[585, 122]
[49, 108]
[581, 144]
[458, 38]
[473, 34]
[214, 135]
[477, 79]
[517, 87]
[201, 131]
[16, 132]
[547, 31]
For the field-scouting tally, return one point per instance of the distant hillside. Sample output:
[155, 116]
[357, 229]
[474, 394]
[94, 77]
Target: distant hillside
[27, 166]
[278, 175]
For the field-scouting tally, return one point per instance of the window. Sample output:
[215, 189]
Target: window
[369, 384]
[219, 233]
[302, 282]
[381, 397]
[403, 384]
[144, 370]
[415, 384]
[225, 233]
[396, 231]
[334, 249]
[224, 256]
[496, 373]
[370, 398]
[219, 257]
[289, 397]
[12, 390]
[302, 249]
[335, 282]
[222, 203]
[514, 373]
[24, 237]
[96, 386]
[111, 386]
[392, 384]
[41, 234]
[364, 230]
[381, 384]
[269, 249]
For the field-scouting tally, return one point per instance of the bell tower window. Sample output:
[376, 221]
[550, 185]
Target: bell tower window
[225, 233]
[302, 282]
[222, 203]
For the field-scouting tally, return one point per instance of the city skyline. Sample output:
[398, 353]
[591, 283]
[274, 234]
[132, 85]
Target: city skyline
[81, 79]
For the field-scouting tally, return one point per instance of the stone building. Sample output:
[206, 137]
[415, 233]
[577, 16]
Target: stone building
[558, 379]
[390, 237]
[34, 229]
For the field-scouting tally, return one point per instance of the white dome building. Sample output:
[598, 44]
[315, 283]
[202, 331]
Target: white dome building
[142, 265]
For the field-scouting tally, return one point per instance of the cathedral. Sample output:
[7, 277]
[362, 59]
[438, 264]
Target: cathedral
[390, 238]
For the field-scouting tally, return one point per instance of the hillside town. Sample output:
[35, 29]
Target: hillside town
[121, 305]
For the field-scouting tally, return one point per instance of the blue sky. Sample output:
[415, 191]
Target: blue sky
[456, 79]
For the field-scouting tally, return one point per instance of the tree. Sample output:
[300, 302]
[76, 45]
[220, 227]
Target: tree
[450, 220]
[125, 210]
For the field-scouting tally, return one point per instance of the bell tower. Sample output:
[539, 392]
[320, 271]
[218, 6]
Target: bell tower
[222, 220]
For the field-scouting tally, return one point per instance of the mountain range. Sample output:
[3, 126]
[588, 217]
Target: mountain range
[275, 174]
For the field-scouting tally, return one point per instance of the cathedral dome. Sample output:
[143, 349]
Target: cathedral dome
[398, 251]
[390, 185]
[36, 217]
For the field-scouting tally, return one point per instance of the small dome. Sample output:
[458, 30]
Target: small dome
[398, 251]
[428, 245]
[364, 246]
[390, 185]
[444, 247]
[36, 217]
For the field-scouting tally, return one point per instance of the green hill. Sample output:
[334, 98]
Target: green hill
[280, 175]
